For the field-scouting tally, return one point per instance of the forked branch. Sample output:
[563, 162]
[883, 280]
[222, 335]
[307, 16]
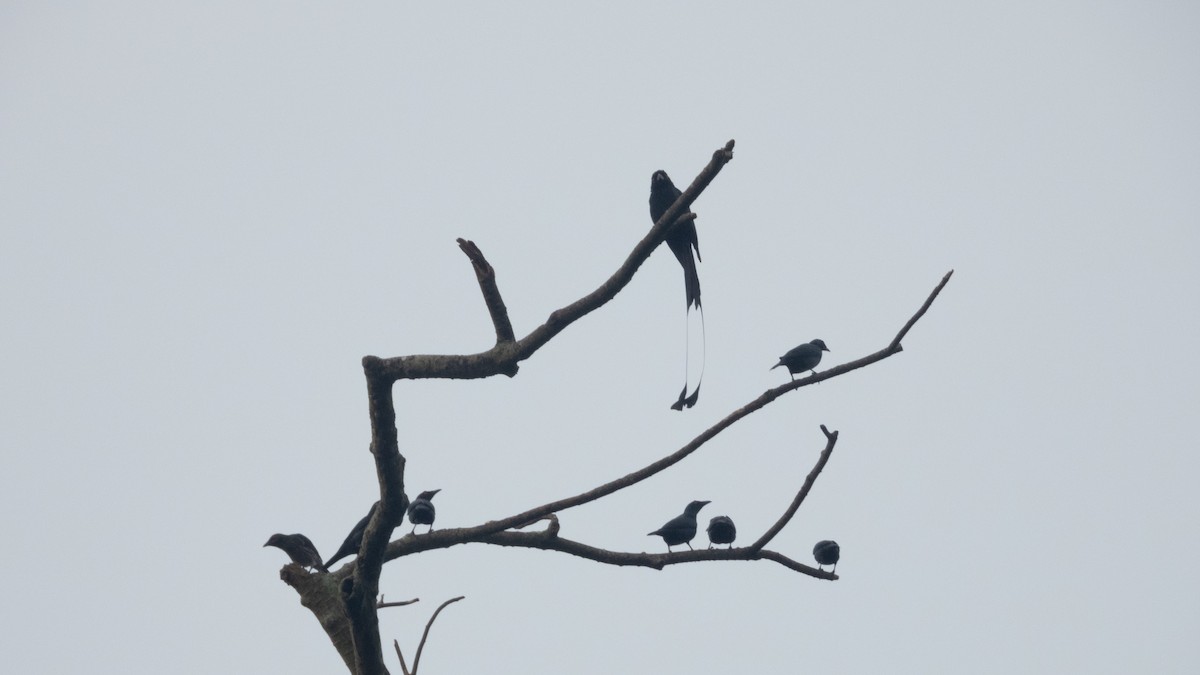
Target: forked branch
[504, 357]
[549, 539]
[401, 547]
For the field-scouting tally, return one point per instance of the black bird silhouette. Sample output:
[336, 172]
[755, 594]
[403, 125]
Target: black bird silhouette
[421, 511]
[721, 531]
[682, 240]
[299, 548]
[682, 528]
[802, 358]
[827, 552]
[353, 540]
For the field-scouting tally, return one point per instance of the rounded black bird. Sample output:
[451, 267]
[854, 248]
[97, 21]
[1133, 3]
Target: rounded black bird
[802, 358]
[682, 528]
[681, 239]
[721, 531]
[827, 552]
[421, 512]
[299, 548]
[353, 541]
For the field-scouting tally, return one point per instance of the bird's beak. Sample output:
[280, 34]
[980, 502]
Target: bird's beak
[434, 492]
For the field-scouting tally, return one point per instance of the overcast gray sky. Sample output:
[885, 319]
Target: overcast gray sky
[211, 212]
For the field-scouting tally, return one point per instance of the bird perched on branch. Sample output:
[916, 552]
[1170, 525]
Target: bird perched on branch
[802, 358]
[353, 541]
[421, 511]
[299, 548]
[827, 552]
[682, 241]
[682, 528]
[721, 531]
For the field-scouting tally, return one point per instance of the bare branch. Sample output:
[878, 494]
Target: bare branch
[502, 359]
[921, 312]
[831, 440]
[797, 566]
[548, 540]
[381, 604]
[533, 514]
[491, 292]
[657, 561]
[893, 347]
[425, 635]
[403, 665]
[360, 590]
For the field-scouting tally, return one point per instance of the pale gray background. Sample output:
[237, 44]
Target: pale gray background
[211, 212]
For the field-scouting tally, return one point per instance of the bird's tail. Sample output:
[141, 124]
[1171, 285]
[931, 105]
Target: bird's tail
[691, 282]
[684, 400]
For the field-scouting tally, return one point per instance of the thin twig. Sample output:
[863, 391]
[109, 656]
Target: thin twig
[831, 440]
[425, 635]
[921, 312]
[381, 604]
[403, 665]
[894, 347]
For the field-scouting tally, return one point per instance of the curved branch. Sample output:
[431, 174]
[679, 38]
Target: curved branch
[831, 440]
[525, 517]
[425, 635]
[546, 542]
[797, 566]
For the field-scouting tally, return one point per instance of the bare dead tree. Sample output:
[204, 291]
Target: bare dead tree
[344, 601]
